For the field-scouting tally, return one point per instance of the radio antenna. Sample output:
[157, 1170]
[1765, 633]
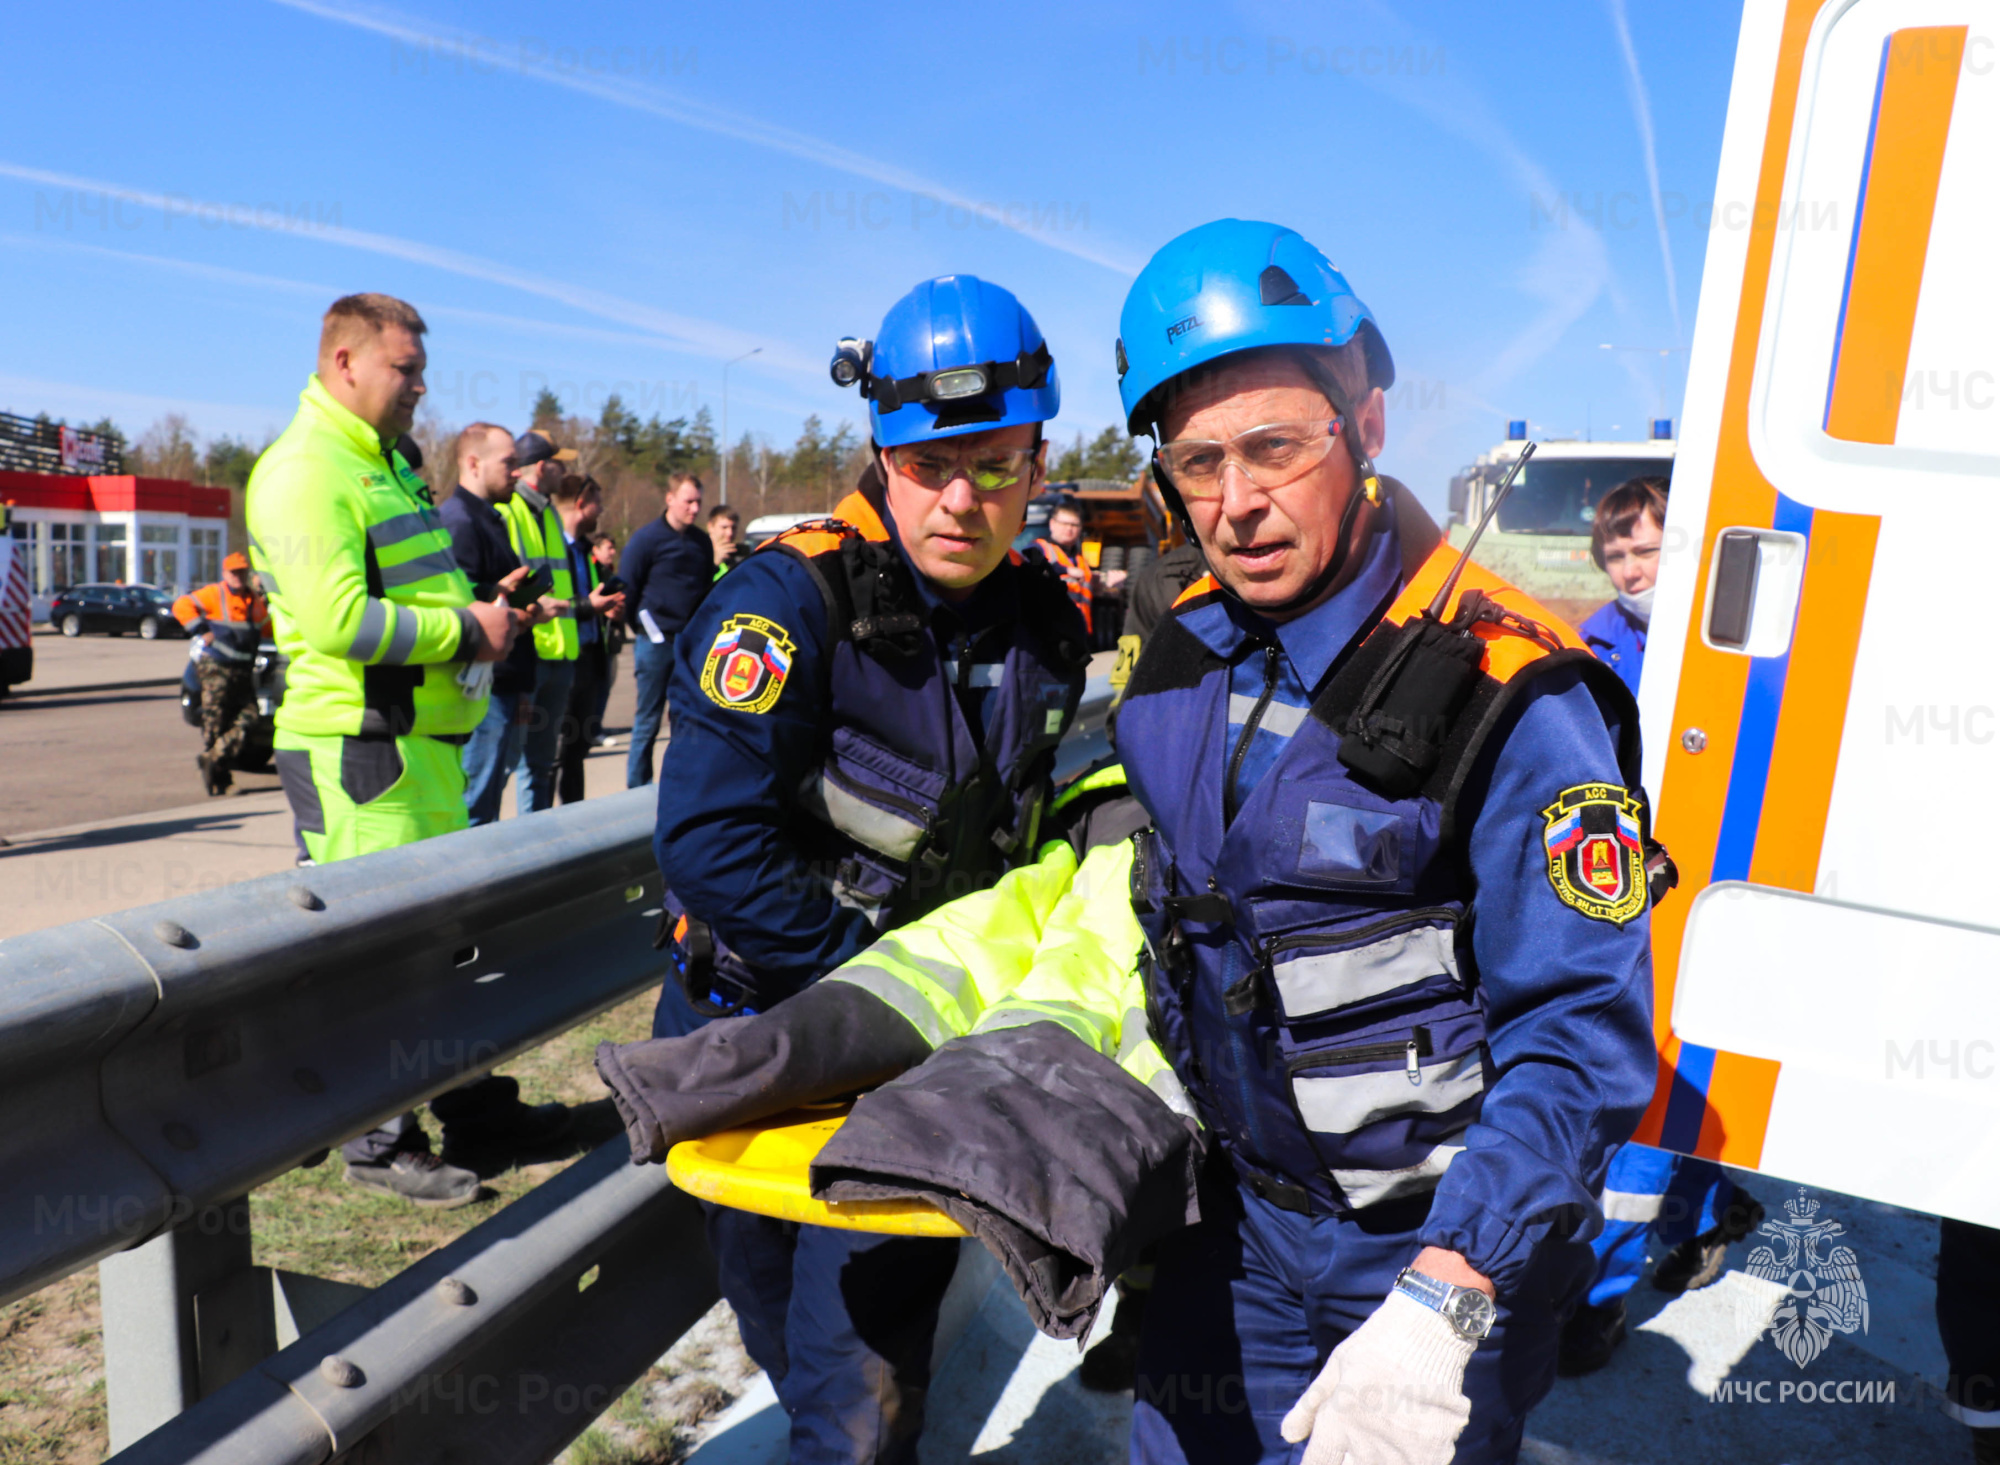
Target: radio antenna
[1436, 612]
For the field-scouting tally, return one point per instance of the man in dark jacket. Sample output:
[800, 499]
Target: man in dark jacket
[667, 567]
[479, 543]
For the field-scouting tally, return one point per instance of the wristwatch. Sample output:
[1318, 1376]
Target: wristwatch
[1467, 1309]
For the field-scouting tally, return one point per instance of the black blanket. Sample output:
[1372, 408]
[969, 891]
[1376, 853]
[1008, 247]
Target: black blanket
[1064, 1165]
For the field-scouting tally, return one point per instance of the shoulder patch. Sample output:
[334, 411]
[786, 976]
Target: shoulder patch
[747, 664]
[1597, 863]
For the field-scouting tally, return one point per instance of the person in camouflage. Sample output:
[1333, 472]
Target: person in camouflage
[232, 617]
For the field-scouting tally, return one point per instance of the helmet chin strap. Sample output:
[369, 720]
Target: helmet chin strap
[1368, 491]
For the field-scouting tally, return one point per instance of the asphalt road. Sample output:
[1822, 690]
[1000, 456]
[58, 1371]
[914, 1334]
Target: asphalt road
[74, 758]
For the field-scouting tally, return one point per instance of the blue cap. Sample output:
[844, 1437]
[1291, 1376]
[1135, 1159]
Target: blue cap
[1230, 286]
[955, 356]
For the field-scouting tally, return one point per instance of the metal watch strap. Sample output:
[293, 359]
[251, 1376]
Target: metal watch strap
[1439, 1296]
[1432, 1292]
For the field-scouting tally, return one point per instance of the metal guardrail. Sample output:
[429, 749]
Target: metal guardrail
[172, 1057]
[158, 1064]
[490, 1349]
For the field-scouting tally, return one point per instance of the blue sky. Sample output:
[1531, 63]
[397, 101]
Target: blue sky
[625, 197]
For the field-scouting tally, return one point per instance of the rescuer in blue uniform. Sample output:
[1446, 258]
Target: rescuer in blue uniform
[866, 712]
[1394, 898]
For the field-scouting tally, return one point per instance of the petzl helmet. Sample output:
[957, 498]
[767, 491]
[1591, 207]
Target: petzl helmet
[954, 356]
[1234, 285]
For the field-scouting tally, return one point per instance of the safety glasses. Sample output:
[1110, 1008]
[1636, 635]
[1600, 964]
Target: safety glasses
[1269, 456]
[989, 470]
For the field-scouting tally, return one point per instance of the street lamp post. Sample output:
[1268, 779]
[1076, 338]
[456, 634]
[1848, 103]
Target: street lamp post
[725, 418]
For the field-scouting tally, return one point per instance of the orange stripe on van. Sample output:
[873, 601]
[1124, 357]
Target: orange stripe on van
[1892, 234]
[1694, 789]
[1739, 1108]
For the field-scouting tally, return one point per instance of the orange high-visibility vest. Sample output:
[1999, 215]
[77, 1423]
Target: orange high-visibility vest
[1076, 573]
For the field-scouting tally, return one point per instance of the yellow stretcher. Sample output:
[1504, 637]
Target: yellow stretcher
[763, 1169]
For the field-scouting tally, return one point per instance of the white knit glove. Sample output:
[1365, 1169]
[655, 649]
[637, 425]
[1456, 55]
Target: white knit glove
[1393, 1393]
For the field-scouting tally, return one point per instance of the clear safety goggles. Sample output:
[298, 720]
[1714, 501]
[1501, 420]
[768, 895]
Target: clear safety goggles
[1269, 456]
[989, 470]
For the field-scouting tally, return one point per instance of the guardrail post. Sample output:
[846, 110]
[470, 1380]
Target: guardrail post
[179, 1319]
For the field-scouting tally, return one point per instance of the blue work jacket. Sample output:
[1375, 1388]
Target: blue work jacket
[1374, 998]
[820, 788]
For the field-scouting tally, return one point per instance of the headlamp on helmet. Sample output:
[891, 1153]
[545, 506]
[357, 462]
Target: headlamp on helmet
[850, 361]
[853, 359]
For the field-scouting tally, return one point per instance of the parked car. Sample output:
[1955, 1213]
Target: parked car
[115, 609]
[269, 668]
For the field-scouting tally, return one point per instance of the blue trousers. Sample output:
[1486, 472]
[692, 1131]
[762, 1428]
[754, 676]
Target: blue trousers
[489, 756]
[1656, 1193]
[1247, 1305]
[538, 742]
[842, 1321]
[652, 669]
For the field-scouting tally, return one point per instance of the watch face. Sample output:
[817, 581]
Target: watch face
[1470, 1313]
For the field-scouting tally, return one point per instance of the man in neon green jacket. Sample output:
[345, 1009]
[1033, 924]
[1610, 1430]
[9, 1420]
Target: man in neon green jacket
[390, 661]
[387, 648]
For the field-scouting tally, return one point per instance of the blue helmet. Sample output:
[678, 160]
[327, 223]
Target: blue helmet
[1230, 286]
[955, 355]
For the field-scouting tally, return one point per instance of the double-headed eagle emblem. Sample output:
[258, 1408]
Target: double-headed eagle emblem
[1827, 1295]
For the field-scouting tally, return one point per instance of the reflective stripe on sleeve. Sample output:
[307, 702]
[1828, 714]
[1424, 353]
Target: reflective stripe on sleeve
[935, 996]
[368, 637]
[1132, 1034]
[1088, 1027]
[402, 640]
[1625, 1205]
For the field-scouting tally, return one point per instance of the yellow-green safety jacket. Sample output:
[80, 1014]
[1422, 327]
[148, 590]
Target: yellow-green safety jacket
[1053, 941]
[536, 531]
[366, 600]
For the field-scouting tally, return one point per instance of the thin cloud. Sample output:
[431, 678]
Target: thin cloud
[657, 102]
[1642, 115]
[219, 273]
[698, 337]
[224, 275]
[321, 293]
